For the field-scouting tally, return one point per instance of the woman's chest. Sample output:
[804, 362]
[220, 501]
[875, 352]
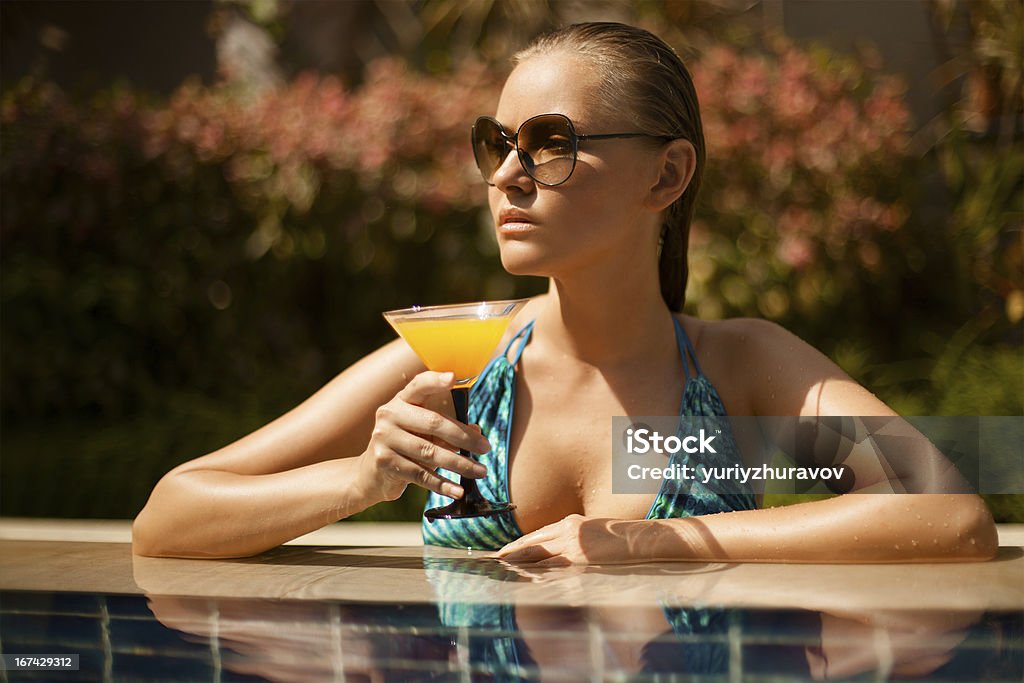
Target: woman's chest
[560, 448]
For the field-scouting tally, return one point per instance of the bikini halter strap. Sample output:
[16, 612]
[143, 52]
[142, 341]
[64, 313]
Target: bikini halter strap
[523, 334]
[686, 349]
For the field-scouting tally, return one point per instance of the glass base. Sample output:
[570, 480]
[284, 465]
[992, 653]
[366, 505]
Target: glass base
[472, 503]
[461, 509]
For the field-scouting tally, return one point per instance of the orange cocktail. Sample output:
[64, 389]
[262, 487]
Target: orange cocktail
[459, 345]
[458, 338]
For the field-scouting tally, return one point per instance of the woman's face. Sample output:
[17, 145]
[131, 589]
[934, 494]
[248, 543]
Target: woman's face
[597, 218]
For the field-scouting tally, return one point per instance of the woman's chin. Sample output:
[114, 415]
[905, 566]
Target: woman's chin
[519, 262]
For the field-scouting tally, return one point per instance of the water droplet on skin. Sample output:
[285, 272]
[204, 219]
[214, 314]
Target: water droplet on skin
[929, 524]
[772, 395]
[913, 543]
[973, 542]
[897, 546]
[945, 525]
[918, 516]
[769, 378]
[935, 541]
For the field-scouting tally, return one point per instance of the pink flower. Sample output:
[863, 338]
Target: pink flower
[796, 252]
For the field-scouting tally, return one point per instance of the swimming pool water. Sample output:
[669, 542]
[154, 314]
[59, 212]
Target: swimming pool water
[171, 638]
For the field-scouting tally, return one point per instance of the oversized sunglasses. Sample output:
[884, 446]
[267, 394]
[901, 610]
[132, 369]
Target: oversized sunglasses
[546, 146]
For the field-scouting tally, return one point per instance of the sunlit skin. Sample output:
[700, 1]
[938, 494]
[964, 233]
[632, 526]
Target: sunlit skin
[603, 345]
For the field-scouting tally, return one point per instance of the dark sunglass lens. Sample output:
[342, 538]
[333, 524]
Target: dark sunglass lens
[546, 149]
[489, 147]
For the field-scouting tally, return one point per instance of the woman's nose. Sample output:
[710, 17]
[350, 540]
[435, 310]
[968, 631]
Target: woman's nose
[510, 176]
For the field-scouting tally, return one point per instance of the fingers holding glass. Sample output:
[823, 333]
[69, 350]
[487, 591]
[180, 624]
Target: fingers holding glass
[409, 442]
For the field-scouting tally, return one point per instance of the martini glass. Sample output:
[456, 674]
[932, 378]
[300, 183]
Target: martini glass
[458, 338]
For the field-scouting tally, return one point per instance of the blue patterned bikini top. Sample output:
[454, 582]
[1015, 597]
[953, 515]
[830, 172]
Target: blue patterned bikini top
[491, 405]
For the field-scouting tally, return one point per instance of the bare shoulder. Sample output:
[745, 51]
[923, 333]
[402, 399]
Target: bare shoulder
[767, 370]
[760, 340]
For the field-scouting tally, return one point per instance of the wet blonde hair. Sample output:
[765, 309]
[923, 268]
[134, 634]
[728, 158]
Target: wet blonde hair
[643, 76]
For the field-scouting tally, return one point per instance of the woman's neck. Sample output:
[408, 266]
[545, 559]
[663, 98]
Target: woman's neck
[607, 321]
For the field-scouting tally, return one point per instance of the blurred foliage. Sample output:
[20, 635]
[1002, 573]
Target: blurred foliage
[176, 272]
[990, 60]
[804, 215]
[223, 244]
[977, 144]
[220, 245]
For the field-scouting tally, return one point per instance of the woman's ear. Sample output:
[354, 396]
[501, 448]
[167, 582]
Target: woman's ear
[678, 161]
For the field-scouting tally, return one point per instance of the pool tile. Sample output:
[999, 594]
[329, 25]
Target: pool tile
[69, 631]
[49, 603]
[149, 667]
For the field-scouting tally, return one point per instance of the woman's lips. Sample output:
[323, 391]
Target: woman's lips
[511, 222]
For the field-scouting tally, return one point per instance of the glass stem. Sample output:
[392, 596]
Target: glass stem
[460, 399]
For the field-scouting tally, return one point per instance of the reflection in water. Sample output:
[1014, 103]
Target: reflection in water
[468, 635]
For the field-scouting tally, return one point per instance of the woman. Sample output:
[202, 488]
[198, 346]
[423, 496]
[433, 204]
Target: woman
[594, 159]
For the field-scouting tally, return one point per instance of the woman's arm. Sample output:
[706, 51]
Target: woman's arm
[876, 527]
[868, 528]
[352, 444]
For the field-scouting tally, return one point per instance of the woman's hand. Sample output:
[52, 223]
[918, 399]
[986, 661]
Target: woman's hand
[579, 540]
[411, 438]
